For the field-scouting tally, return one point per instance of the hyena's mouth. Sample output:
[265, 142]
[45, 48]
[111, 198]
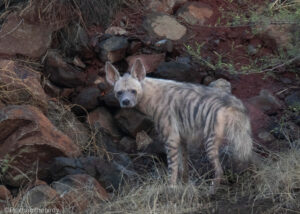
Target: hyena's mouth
[126, 104]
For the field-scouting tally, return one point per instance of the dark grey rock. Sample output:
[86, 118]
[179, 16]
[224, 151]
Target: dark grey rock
[293, 100]
[174, 71]
[113, 49]
[88, 98]
[61, 73]
[131, 121]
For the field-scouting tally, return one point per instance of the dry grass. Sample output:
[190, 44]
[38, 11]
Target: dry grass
[20, 85]
[272, 188]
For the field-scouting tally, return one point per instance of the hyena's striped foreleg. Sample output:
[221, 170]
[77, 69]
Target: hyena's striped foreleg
[172, 149]
[184, 166]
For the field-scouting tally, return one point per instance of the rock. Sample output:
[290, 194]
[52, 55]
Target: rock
[78, 62]
[275, 36]
[4, 193]
[104, 171]
[195, 13]
[40, 196]
[65, 120]
[110, 100]
[222, 84]
[21, 85]
[131, 121]
[251, 50]
[113, 49]
[79, 191]
[293, 100]
[28, 143]
[61, 73]
[142, 140]
[164, 6]
[150, 62]
[74, 40]
[259, 121]
[134, 46]
[266, 102]
[208, 79]
[183, 59]
[88, 98]
[164, 45]
[115, 30]
[265, 136]
[174, 71]
[18, 36]
[127, 145]
[51, 89]
[101, 118]
[164, 26]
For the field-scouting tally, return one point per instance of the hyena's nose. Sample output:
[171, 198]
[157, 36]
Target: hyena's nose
[125, 102]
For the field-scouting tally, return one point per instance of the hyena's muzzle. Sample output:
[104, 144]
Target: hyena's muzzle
[127, 99]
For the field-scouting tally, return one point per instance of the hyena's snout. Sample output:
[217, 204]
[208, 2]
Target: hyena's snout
[125, 102]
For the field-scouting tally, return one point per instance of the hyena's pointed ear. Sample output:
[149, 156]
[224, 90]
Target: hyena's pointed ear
[112, 74]
[138, 70]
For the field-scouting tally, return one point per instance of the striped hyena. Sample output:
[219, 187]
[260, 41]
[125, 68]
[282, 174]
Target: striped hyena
[184, 112]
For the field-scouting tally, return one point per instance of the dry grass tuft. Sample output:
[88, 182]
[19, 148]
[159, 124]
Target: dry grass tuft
[279, 180]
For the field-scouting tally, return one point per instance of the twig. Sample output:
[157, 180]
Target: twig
[282, 65]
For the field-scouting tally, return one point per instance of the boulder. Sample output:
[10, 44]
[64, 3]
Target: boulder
[131, 121]
[108, 173]
[164, 45]
[260, 122]
[164, 6]
[28, 144]
[222, 84]
[62, 73]
[4, 193]
[101, 118]
[88, 98]
[40, 196]
[79, 191]
[266, 101]
[127, 145]
[21, 37]
[21, 85]
[143, 140]
[113, 49]
[175, 71]
[293, 100]
[65, 120]
[195, 12]
[74, 40]
[115, 30]
[164, 26]
[150, 61]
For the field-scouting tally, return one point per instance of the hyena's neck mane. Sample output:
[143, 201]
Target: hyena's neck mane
[154, 91]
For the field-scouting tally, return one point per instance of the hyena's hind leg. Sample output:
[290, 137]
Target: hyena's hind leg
[212, 146]
[212, 150]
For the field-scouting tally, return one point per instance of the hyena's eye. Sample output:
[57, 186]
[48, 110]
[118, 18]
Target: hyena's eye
[133, 91]
[119, 93]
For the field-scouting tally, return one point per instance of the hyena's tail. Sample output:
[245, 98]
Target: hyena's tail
[238, 134]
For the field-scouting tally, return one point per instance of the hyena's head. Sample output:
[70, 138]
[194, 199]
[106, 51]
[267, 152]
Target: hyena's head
[128, 89]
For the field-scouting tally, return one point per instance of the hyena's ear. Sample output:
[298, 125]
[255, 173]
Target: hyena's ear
[138, 70]
[112, 74]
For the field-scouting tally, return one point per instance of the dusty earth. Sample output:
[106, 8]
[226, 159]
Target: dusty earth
[65, 144]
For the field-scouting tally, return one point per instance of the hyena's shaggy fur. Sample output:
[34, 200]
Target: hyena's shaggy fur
[184, 112]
